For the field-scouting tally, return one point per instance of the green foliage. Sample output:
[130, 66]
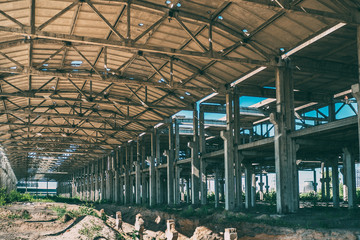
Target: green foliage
[60, 211]
[91, 232]
[211, 197]
[310, 196]
[19, 215]
[270, 198]
[135, 235]
[104, 217]
[13, 196]
[119, 236]
[82, 211]
[189, 212]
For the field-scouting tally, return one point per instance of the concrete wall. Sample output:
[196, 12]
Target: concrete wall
[7, 177]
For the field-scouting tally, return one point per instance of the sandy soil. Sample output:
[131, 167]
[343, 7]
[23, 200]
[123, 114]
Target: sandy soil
[44, 225]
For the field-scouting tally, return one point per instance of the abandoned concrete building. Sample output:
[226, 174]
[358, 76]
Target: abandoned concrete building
[89, 89]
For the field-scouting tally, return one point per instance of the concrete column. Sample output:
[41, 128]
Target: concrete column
[92, 193]
[177, 167]
[216, 187]
[120, 173]
[170, 166]
[108, 178]
[158, 187]
[248, 184]
[335, 182]
[152, 176]
[126, 176]
[237, 156]
[188, 193]
[137, 183]
[138, 174]
[157, 170]
[261, 186]
[131, 175]
[322, 180]
[287, 182]
[267, 183]
[253, 189]
[144, 181]
[349, 166]
[84, 185]
[96, 180]
[314, 181]
[73, 186]
[102, 180]
[202, 149]
[116, 176]
[228, 138]
[195, 161]
[327, 184]
[89, 182]
[222, 187]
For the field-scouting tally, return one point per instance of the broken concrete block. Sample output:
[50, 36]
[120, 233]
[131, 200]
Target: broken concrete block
[118, 220]
[230, 234]
[171, 233]
[139, 225]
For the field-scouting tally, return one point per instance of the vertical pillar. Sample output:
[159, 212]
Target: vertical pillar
[152, 176]
[202, 144]
[188, 190]
[116, 176]
[327, 183]
[96, 176]
[73, 186]
[287, 182]
[137, 174]
[92, 191]
[170, 166]
[222, 187]
[131, 177]
[349, 165]
[102, 179]
[108, 178]
[144, 182]
[89, 183]
[248, 184]
[177, 167]
[261, 185]
[253, 189]
[228, 138]
[314, 181]
[120, 173]
[126, 176]
[267, 183]
[195, 161]
[237, 156]
[216, 187]
[158, 172]
[322, 180]
[335, 182]
[85, 189]
[137, 183]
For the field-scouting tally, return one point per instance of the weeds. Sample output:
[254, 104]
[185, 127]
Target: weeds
[82, 211]
[90, 232]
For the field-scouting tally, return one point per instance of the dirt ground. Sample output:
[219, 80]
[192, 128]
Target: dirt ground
[39, 221]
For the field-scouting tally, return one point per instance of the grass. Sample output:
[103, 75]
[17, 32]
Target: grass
[82, 211]
[91, 232]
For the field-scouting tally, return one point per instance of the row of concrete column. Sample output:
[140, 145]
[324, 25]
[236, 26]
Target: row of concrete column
[133, 173]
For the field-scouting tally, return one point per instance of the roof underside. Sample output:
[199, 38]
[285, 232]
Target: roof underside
[143, 62]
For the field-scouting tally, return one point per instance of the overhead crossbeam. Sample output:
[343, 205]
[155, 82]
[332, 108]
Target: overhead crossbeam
[134, 47]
